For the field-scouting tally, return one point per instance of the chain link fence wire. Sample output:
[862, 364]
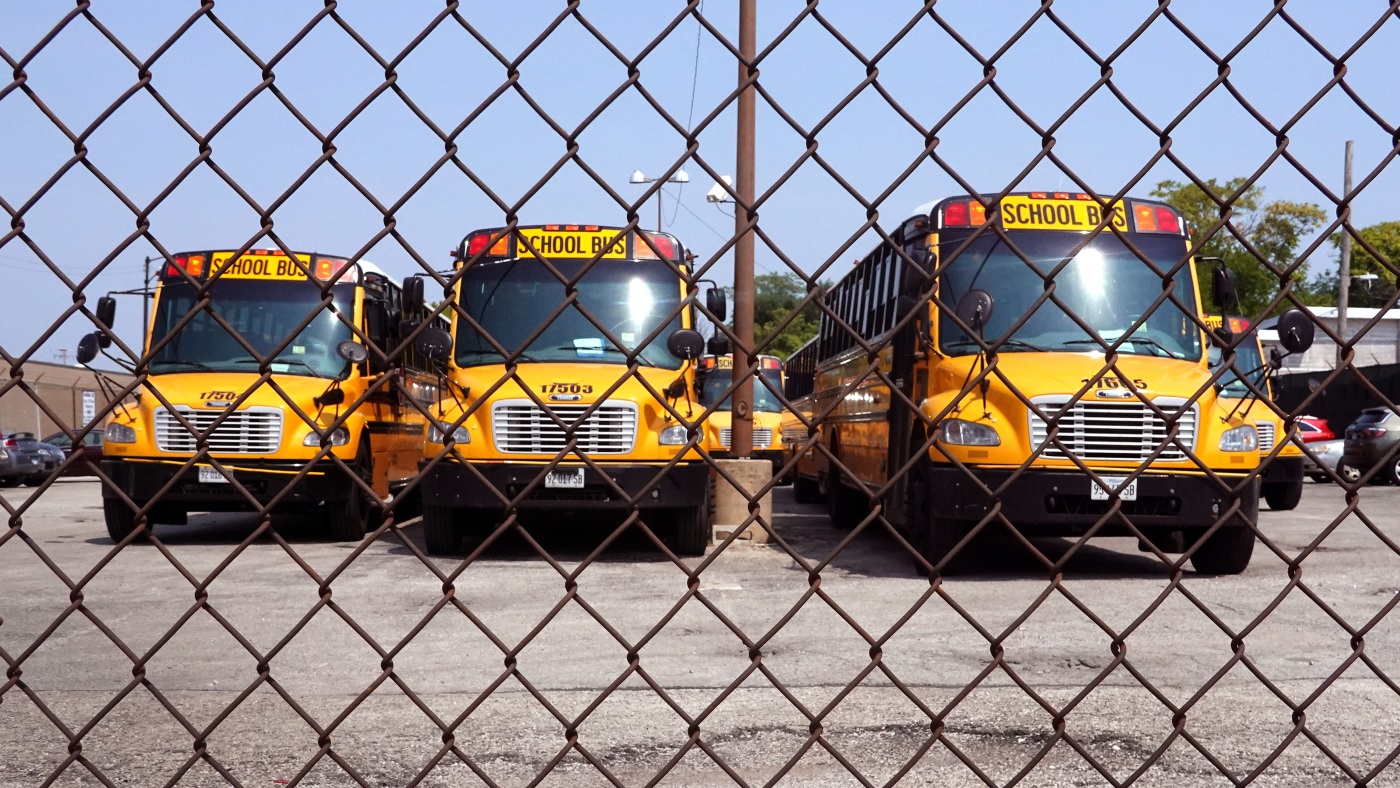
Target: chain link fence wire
[824, 687]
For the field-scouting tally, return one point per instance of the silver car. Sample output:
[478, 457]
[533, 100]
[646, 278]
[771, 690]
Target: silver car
[1329, 453]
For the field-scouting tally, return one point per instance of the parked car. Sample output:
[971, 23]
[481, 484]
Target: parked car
[1312, 429]
[1368, 441]
[26, 459]
[91, 452]
[1328, 452]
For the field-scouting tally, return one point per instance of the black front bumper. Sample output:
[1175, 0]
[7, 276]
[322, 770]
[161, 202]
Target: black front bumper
[264, 480]
[487, 485]
[1057, 503]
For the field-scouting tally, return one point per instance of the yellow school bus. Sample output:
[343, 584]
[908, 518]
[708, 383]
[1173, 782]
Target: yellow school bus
[1281, 481]
[572, 369]
[1099, 363]
[798, 427]
[715, 378]
[264, 375]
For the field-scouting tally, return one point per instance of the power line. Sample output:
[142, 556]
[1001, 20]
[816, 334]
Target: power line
[694, 80]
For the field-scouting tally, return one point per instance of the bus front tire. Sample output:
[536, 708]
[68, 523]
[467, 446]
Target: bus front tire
[120, 518]
[1226, 552]
[1285, 496]
[442, 529]
[688, 530]
[845, 506]
[806, 490]
[347, 520]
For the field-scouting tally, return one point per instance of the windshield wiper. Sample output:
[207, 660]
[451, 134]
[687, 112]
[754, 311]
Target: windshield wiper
[640, 357]
[185, 361]
[1131, 340]
[280, 360]
[1005, 343]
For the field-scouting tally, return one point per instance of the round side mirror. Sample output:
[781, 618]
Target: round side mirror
[975, 309]
[352, 351]
[434, 344]
[87, 348]
[1295, 331]
[685, 344]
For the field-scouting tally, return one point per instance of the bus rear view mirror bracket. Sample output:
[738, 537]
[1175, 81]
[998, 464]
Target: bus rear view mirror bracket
[435, 344]
[685, 343]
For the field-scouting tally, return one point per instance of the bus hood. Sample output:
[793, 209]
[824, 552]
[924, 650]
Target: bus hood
[219, 389]
[566, 383]
[1036, 374]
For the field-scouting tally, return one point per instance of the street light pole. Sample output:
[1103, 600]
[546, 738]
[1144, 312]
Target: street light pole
[1344, 274]
[679, 177]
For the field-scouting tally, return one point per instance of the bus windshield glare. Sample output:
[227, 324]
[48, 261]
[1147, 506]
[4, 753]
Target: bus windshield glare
[513, 299]
[716, 383]
[1106, 285]
[264, 313]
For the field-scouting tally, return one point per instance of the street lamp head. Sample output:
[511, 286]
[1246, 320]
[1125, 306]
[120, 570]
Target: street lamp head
[679, 177]
[637, 177]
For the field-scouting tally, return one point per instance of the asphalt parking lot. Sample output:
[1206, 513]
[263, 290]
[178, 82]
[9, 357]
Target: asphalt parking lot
[509, 725]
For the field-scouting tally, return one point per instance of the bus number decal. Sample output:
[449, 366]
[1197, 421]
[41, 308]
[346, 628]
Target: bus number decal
[1114, 383]
[566, 388]
[219, 395]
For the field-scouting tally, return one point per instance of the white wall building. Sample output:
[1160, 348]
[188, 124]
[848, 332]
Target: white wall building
[1379, 345]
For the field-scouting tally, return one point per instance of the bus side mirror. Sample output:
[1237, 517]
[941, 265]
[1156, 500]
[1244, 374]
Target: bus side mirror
[352, 351]
[1295, 331]
[1224, 337]
[411, 295]
[716, 302]
[106, 315]
[1222, 289]
[685, 343]
[434, 344]
[87, 348]
[916, 276]
[718, 345]
[904, 306]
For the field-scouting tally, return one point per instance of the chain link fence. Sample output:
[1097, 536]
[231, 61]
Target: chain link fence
[1004, 381]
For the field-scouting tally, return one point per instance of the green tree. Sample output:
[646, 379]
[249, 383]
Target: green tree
[777, 295]
[1373, 281]
[1274, 229]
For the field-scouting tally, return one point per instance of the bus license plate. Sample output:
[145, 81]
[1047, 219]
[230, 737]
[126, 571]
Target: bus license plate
[211, 476]
[1097, 493]
[566, 478]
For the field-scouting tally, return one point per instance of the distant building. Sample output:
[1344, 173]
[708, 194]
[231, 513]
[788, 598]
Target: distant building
[1380, 344]
[71, 393]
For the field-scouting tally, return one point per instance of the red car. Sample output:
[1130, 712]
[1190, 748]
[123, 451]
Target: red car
[1311, 428]
[91, 452]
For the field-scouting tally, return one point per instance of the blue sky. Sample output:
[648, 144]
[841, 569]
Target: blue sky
[811, 219]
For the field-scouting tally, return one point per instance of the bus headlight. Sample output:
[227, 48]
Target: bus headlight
[459, 435]
[673, 436]
[339, 437]
[119, 433]
[967, 433]
[1240, 439]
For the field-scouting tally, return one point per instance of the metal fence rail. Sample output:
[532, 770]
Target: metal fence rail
[931, 731]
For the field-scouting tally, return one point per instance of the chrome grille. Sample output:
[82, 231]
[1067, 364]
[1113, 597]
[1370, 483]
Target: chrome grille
[762, 436]
[1113, 431]
[1266, 436]
[521, 427]
[247, 431]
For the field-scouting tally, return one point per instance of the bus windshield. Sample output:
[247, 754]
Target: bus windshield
[1249, 365]
[514, 299]
[716, 383]
[1106, 285]
[264, 313]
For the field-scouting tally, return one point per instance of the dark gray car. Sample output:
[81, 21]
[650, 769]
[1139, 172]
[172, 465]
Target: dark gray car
[1369, 440]
[24, 459]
